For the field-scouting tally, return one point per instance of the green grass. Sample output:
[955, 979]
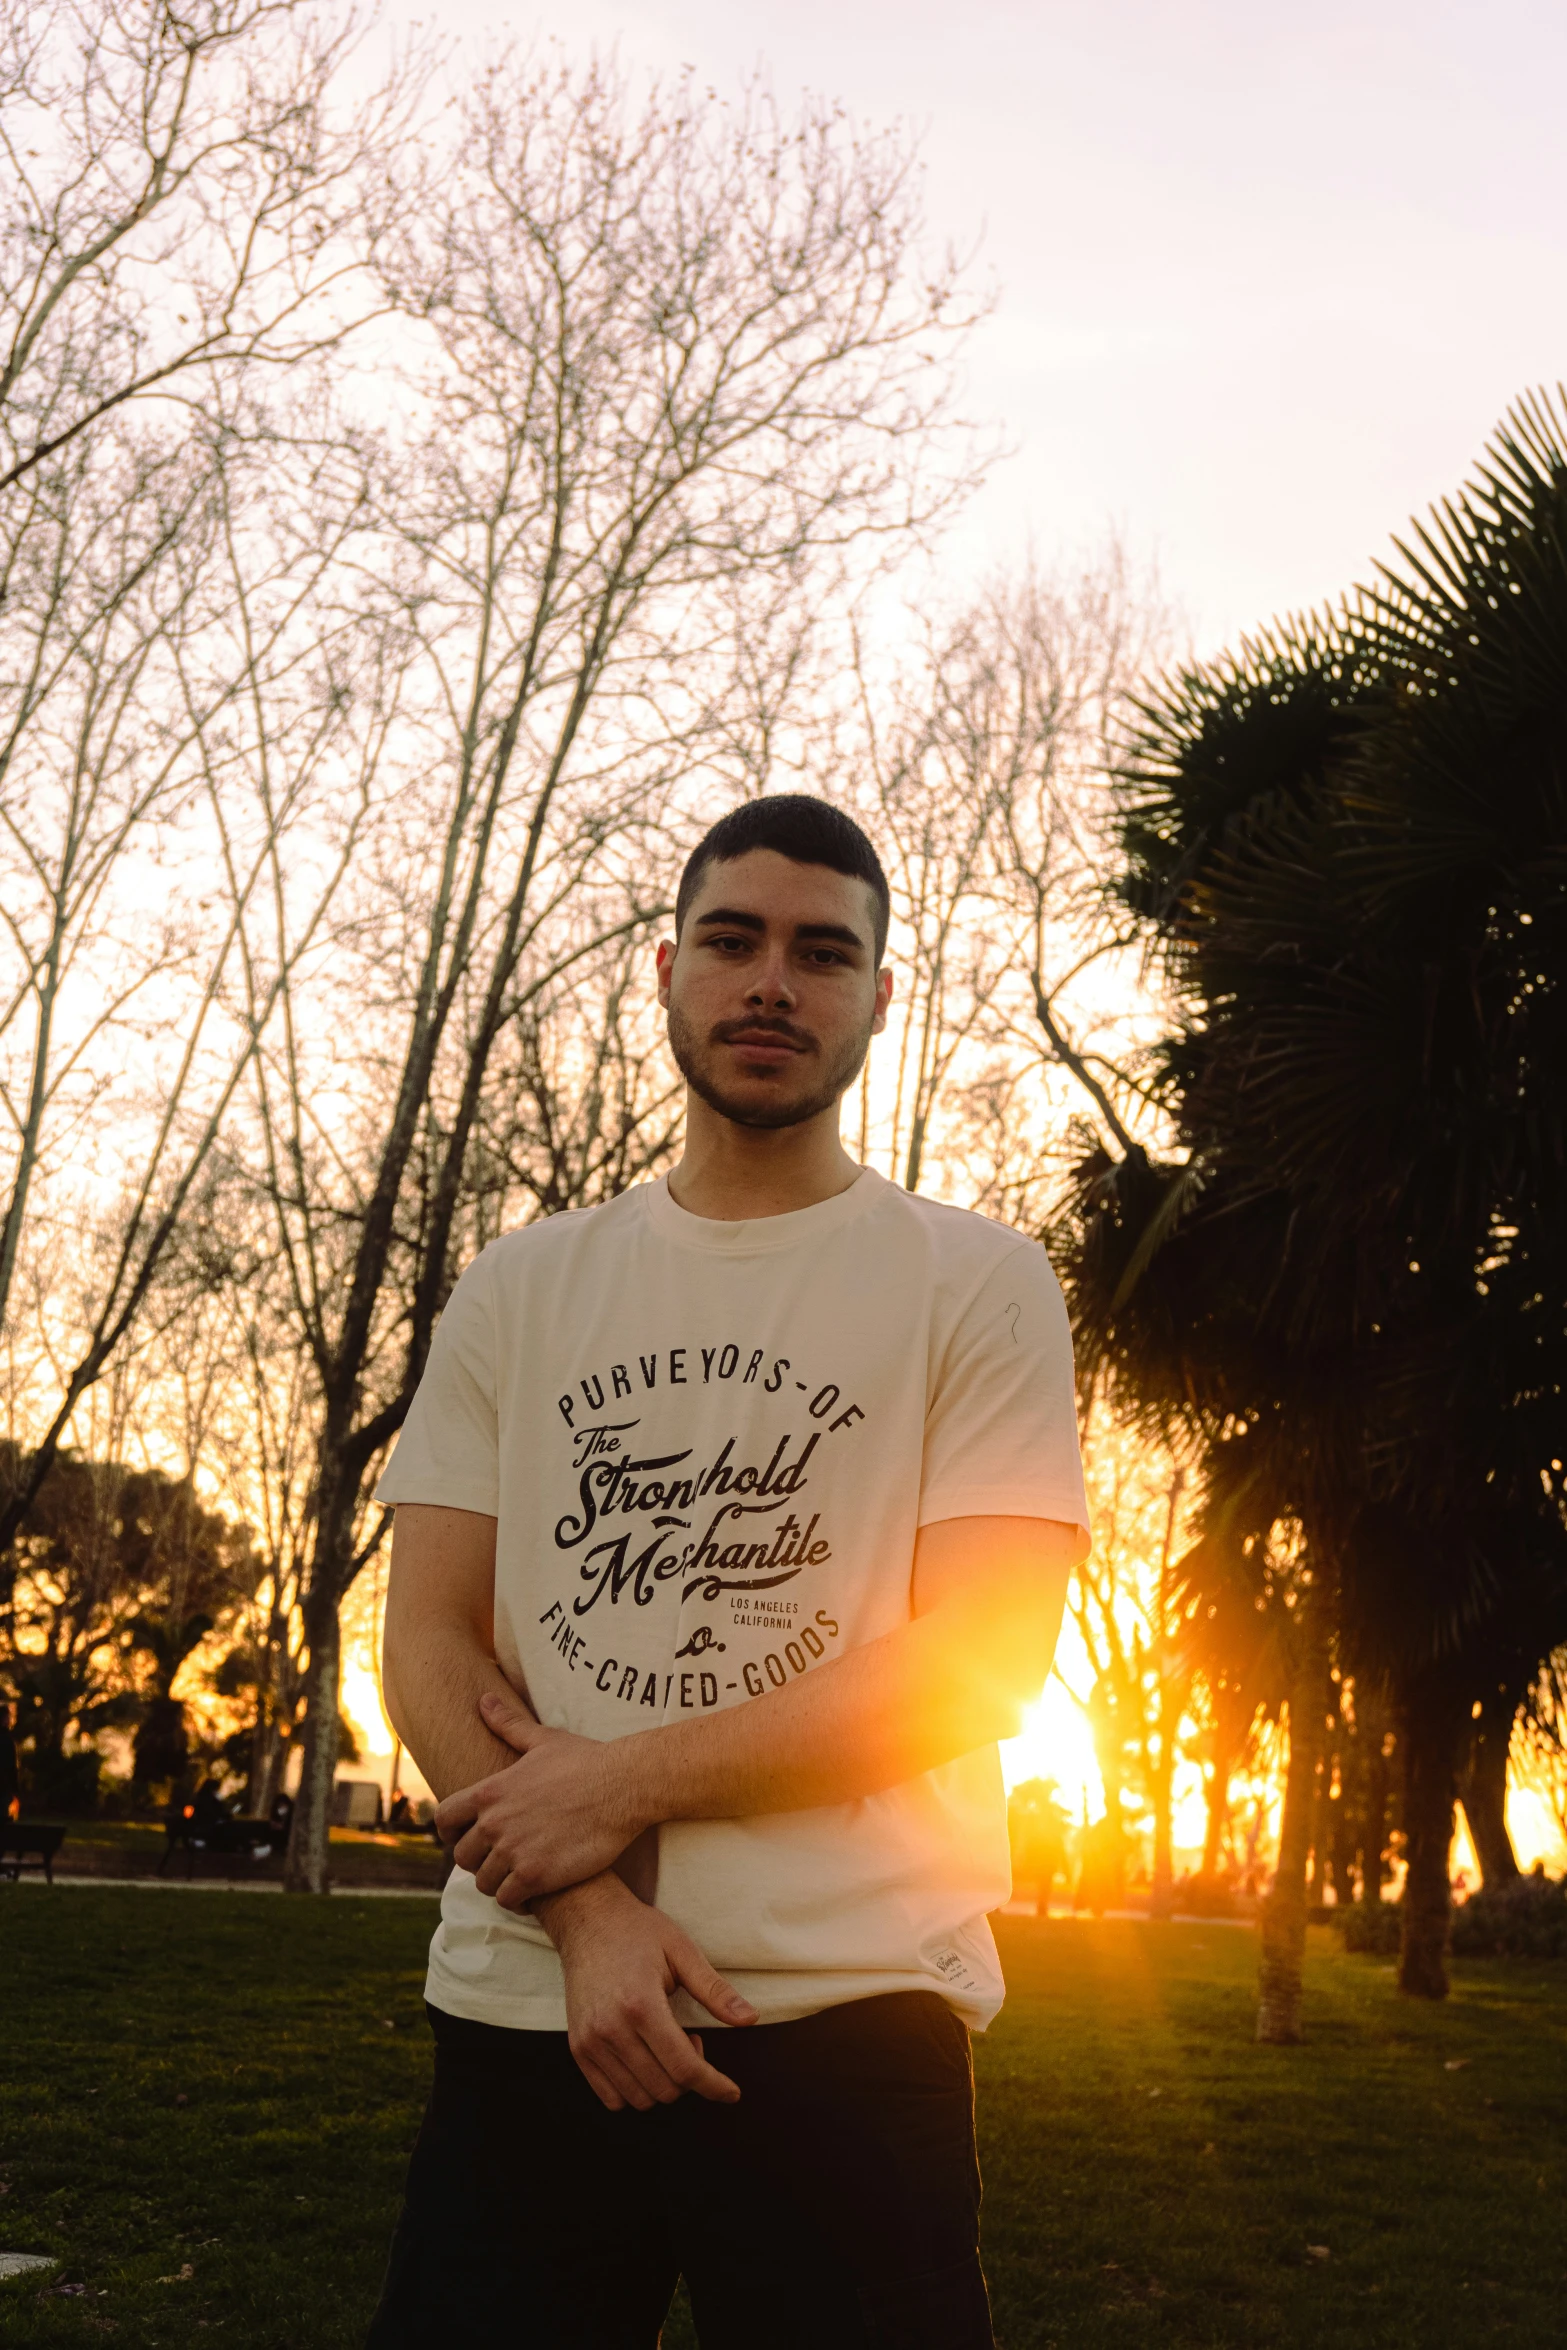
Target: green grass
[210, 2081]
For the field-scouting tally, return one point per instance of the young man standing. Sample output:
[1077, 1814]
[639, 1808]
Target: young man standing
[734, 1519]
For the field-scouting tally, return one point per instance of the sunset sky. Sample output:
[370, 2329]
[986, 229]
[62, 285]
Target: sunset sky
[1268, 275]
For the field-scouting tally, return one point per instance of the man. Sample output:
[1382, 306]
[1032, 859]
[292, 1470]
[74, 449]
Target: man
[733, 1526]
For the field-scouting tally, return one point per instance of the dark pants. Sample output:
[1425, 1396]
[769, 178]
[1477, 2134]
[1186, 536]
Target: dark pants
[836, 2207]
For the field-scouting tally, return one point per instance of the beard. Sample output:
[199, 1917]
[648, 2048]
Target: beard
[821, 1085]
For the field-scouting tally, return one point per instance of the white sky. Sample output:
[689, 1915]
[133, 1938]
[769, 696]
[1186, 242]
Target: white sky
[1270, 275]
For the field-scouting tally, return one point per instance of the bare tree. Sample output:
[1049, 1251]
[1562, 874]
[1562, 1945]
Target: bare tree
[661, 363]
[196, 714]
[182, 203]
[985, 765]
[1069, 655]
[582, 1100]
[182, 218]
[264, 1456]
[935, 805]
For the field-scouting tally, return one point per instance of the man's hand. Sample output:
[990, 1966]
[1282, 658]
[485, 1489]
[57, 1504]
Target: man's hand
[557, 1815]
[621, 1961]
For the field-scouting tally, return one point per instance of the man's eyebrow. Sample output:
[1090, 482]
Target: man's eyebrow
[839, 932]
[734, 919]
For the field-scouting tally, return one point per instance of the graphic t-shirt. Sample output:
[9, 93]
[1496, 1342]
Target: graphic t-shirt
[709, 1449]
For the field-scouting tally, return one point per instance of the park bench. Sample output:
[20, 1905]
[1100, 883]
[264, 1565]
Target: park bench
[227, 1839]
[27, 1846]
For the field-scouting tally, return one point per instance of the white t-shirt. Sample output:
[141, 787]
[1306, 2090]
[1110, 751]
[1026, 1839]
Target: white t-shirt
[709, 1448]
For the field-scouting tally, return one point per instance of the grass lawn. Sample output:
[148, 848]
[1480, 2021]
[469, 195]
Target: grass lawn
[207, 2099]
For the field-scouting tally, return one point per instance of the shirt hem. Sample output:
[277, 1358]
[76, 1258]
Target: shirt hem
[778, 1999]
[990, 1501]
[436, 1493]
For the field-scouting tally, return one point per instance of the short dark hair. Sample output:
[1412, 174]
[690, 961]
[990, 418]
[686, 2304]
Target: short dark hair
[807, 830]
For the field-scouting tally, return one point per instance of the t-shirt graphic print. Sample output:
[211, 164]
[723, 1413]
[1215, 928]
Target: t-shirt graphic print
[709, 1449]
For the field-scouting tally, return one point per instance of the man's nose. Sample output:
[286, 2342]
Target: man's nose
[771, 986]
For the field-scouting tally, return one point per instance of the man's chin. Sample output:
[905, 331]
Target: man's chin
[759, 1107]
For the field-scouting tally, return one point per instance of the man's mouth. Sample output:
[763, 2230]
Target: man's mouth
[764, 1043]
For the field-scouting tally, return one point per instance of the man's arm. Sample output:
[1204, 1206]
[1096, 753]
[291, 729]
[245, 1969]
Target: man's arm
[439, 1651]
[988, 1598]
[621, 1957]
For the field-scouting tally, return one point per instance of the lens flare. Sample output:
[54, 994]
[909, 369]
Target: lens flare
[1055, 1744]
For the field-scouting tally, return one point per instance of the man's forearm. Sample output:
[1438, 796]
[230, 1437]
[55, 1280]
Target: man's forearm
[900, 1706]
[433, 1701]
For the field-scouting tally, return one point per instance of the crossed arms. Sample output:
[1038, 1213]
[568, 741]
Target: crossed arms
[558, 1823]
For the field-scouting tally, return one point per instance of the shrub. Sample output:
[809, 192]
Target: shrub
[1372, 1927]
[61, 1784]
[1205, 1897]
[1527, 1919]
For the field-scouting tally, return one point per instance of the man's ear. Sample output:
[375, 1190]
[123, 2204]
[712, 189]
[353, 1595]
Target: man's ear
[666, 964]
[883, 999]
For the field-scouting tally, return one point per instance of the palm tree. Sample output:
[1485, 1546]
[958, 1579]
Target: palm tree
[1349, 845]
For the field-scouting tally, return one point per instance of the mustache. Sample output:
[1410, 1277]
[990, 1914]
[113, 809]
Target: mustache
[760, 1024]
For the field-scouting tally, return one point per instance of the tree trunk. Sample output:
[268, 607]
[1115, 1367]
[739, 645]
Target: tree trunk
[1374, 1834]
[266, 1764]
[1162, 1896]
[1315, 1839]
[1482, 1788]
[1284, 1911]
[258, 1770]
[1431, 1731]
[1171, 1707]
[1218, 1794]
[308, 1869]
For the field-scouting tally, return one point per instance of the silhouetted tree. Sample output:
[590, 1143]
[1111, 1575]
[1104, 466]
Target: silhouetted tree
[1346, 843]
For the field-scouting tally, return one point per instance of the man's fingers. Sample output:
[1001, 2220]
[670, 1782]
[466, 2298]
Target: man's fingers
[458, 1812]
[707, 2081]
[600, 2084]
[650, 2060]
[515, 1894]
[696, 1973]
[492, 1872]
[626, 2050]
[609, 2063]
[510, 1719]
[472, 1850]
[679, 2055]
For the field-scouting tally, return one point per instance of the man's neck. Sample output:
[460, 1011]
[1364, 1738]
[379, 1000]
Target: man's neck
[735, 1174]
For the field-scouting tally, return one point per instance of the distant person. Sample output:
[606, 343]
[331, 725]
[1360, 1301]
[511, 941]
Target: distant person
[400, 1819]
[1101, 1876]
[282, 1812]
[10, 1772]
[762, 1482]
[1037, 1826]
[208, 1811]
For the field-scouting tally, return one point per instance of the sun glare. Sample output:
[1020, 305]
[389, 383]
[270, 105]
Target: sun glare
[1055, 1744]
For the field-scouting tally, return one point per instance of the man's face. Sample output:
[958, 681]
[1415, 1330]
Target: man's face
[772, 993]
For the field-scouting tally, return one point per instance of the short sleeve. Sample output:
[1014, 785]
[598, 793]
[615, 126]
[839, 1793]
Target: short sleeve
[1001, 1432]
[448, 1451]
